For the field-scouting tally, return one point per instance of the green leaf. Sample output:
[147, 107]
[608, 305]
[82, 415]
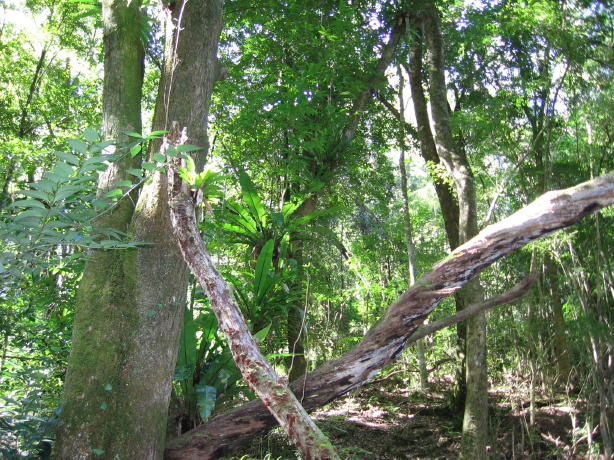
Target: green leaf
[133, 134]
[205, 400]
[125, 183]
[77, 145]
[247, 224]
[159, 157]
[207, 322]
[67, 190]
[63, 169]
[188, 148]
[262, 333]
[190, 165]
[90, 135]
[44, 185]
[68, 158]
[264, 267]
[290, 206]
[278, 218]
[28, 204]
[96, 159]
[114, 193]
[41, 195]
[188, 174]
[32, 212]
[187, 347]
[149, 166]
[135, 172]
[135, 150]
[188, 178]
[252, 200]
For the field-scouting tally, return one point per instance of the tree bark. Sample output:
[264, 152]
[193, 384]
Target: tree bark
[105, 317]
[428, 148]
[559, 345]
[295, 330]
[521, 289]
[383, 343]
[130, 305]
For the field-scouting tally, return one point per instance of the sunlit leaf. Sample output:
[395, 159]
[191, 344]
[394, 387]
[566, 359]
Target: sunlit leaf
[77, 145]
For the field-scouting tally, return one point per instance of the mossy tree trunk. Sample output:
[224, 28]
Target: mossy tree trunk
[130, 303]
[94, 404]
[446, 196]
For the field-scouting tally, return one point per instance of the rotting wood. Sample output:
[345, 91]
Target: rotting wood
[550, 212]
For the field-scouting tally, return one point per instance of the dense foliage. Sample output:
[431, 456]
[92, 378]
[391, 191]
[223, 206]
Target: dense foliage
[308, 227]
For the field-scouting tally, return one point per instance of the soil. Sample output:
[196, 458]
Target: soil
[386, 421]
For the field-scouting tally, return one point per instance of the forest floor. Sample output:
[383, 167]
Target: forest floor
[386, 421]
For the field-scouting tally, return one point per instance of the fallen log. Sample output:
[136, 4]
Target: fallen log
[387, 338]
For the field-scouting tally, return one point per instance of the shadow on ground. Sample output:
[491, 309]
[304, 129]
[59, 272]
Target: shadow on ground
[386, 423]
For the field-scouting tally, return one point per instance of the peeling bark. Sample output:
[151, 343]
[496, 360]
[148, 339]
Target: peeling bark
[256, 370]
[550, 212]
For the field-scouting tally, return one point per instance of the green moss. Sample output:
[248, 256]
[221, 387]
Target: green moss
[105, 322]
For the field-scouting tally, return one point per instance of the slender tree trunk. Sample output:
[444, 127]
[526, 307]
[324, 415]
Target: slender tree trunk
[130, 304]
[412, 266]
[390, 335]
[447, 199]
[560, 347]
[475, 421]
[295, 334]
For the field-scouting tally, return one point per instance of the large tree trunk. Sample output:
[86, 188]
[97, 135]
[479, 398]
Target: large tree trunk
[131, 303]
[384, 342]
[105, 318]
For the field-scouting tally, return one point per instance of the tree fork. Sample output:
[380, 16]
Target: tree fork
[386, 339]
